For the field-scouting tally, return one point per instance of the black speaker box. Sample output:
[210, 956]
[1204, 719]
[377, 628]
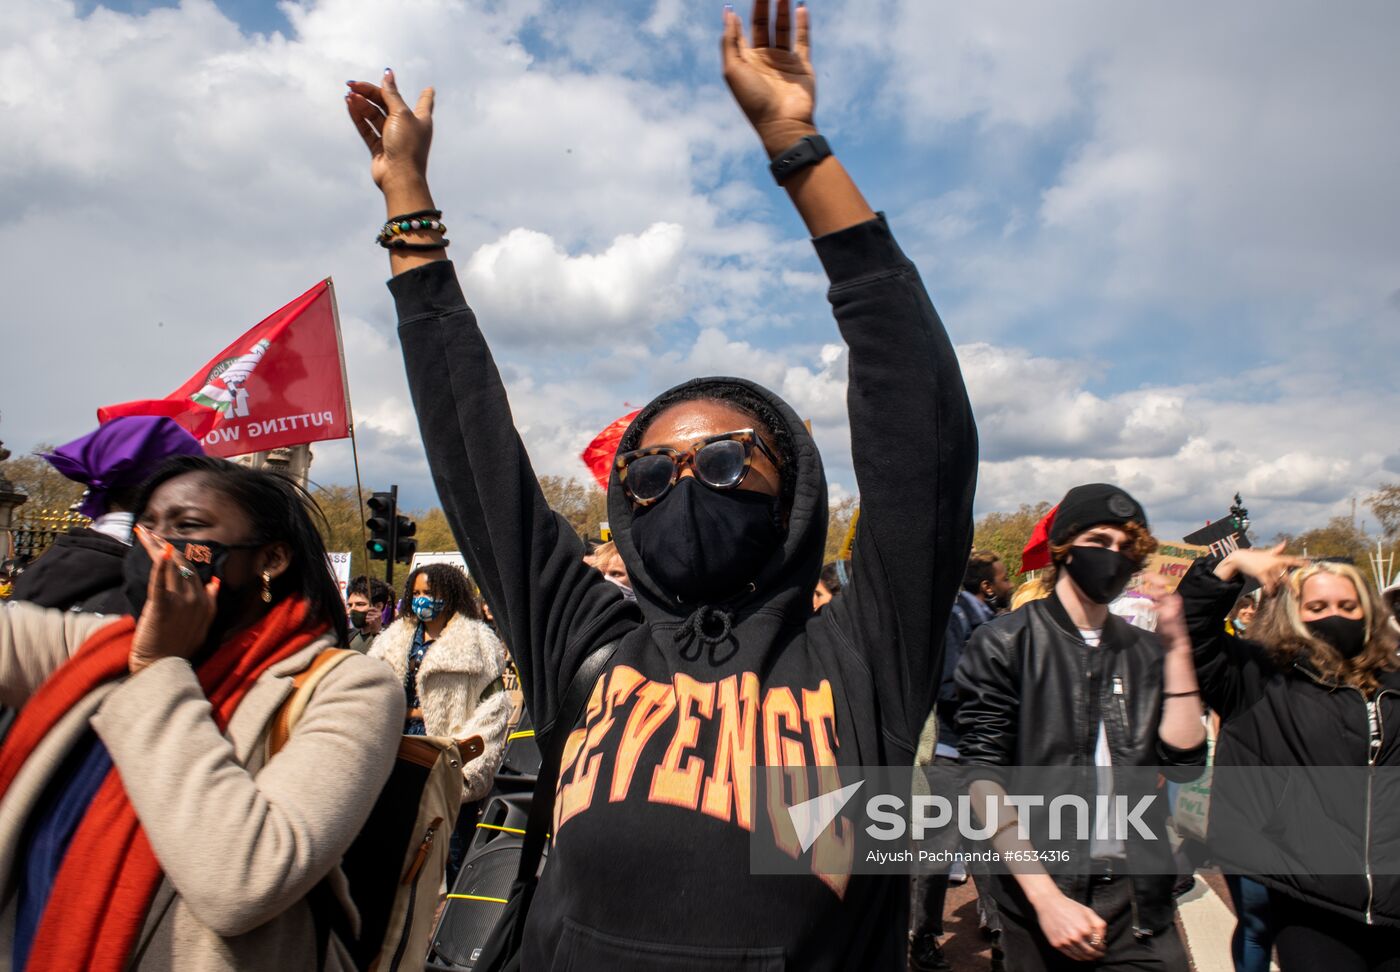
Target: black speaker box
[479, 894]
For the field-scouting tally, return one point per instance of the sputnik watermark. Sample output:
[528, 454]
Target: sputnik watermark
[847, 820]
[1107, 817]
[838, 821]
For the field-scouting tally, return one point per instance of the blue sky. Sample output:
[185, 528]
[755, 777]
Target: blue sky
[1163, 238]
[253, 16]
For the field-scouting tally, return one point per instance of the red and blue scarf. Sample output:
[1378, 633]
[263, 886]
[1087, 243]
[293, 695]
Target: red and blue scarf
[109, 875]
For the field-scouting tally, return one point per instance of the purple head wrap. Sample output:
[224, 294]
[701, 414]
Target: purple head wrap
[123, 452]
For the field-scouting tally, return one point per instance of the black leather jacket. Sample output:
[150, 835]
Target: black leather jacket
[1033, 693]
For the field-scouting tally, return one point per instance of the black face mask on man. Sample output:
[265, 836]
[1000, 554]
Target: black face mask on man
[358, 619]
[702, 544]
[205, 557]
[1347, 635]
[1100, 573]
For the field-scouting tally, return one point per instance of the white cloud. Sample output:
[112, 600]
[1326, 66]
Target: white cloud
[1030, 406]
[527, 279]
[1203, 161]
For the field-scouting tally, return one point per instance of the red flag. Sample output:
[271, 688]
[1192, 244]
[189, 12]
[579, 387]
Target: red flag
[598, 455]
[1037, 552]
[280, 384]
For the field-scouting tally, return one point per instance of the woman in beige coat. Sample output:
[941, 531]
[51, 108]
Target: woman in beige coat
[450, 664]
[141, 825]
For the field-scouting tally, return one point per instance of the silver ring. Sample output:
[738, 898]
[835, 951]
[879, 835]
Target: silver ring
[1096, 940]
[185, 572]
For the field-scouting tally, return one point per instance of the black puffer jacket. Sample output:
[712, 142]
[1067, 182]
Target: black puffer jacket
[1333, 832]
[1033, 693]
[81, 571]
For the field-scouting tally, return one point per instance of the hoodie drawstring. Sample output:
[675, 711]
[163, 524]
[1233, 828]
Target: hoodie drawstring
[693, 631]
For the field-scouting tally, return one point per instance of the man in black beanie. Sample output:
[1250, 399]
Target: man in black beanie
[1061, 682]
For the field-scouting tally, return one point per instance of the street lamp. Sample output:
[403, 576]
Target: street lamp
[1240, 514]
[10, 494]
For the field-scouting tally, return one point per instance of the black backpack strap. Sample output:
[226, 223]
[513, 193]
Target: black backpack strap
[328, 918]
[552, 753]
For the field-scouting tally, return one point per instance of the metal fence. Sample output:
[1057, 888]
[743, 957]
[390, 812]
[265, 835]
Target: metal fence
[33, 531]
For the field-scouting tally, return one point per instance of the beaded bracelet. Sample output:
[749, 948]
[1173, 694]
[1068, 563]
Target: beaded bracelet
[403, 224]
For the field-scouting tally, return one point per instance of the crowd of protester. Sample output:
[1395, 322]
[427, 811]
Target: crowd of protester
[194, 759]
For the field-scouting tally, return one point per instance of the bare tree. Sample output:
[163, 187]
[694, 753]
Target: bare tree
[48, 489]
[1385, 504]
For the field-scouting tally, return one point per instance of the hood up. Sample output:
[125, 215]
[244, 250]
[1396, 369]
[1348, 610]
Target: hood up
[786, 582]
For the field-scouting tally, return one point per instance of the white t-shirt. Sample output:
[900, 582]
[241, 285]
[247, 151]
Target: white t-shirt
[115, 525]
[1100, 844]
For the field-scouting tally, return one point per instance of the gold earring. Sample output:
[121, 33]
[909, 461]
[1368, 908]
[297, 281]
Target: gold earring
[267, 587]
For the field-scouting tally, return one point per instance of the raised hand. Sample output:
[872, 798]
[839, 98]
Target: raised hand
[1171, 621]
[1268, 566]
[398, 137]
[771, 75]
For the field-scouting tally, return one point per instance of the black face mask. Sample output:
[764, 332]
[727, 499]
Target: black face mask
[703, 544]
[205, 557]
[1099, 572]
[358, 619]
[1347, 635]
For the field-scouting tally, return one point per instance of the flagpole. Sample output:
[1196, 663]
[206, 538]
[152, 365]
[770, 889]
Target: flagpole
[349, 419]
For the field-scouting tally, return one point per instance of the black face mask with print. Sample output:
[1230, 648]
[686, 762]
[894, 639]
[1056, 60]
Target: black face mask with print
[205, 557]
[1099, 572]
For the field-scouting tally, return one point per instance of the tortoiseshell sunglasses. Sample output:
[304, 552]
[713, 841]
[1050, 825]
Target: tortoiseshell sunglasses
[720, 462]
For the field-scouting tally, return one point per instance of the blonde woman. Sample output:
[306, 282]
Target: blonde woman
[1316, 685]
[1032, 590]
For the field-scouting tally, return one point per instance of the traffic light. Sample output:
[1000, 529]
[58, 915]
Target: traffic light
[383, 510]
[404, 544]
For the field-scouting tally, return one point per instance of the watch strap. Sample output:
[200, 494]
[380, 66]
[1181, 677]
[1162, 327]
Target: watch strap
[809, 150]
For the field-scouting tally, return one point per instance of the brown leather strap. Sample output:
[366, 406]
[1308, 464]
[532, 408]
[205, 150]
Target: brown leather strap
[304, 683]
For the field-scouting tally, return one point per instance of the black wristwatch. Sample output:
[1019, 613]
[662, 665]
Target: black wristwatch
[809, 151]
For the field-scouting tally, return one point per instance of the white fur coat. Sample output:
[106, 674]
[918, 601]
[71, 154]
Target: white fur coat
[459, 667]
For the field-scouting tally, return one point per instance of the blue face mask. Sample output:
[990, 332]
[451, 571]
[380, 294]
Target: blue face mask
[425, 607]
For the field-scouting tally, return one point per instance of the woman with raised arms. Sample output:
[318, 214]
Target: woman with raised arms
[718, 506]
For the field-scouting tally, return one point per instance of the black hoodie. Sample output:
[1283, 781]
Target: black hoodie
[650, 862]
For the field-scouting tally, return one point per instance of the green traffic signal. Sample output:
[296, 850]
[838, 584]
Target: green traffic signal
[383, 508]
